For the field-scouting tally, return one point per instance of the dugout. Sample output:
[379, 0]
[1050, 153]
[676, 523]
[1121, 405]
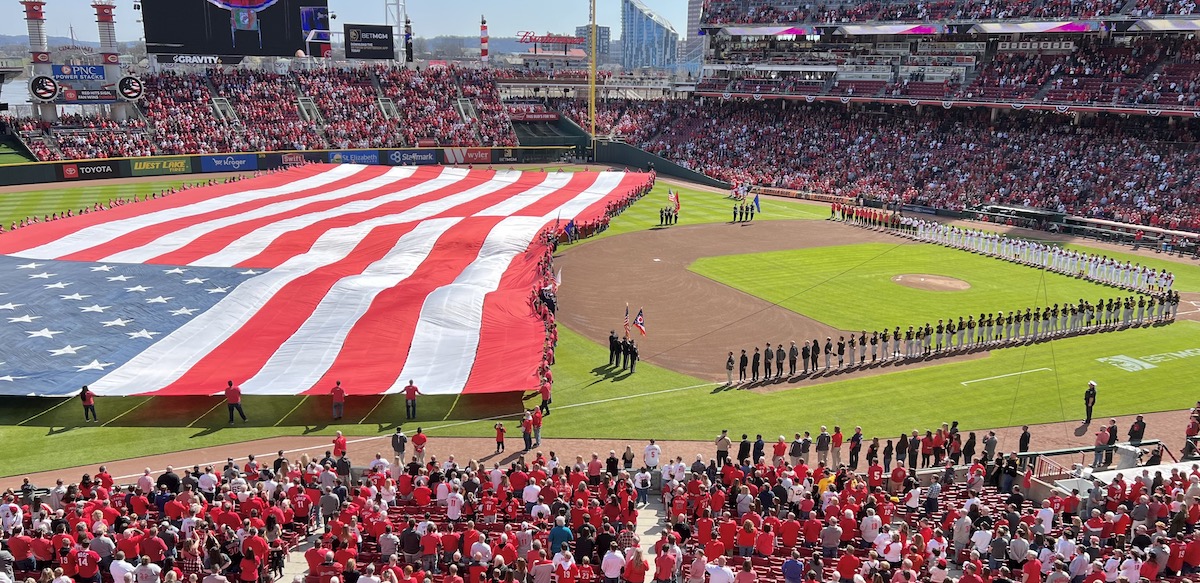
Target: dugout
[1018, 216]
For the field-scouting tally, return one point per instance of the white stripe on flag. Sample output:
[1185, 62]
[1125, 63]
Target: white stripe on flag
[256, 241]
[177, 240]
[300, 362]
[447, 334]
[170, 358]
[553, 183]
[103, 233]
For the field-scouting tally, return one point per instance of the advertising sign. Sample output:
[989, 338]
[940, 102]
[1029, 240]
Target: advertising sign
[412, 157]
[79, 72]
[161, 166]
[229, 163]
[87, 170]
[354, 156]
[369, 41]
[467, 155]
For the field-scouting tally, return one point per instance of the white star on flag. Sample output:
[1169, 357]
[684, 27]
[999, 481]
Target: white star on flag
[58, 285]
[119, 278]
[26, 319]
[137, 288]
[195, 280]
[248, 272]
[42, 275]
[30, 266]
[143, 333]
[217, 290]
[177, 270]
[11, 378]
[68, 349]
[43, 333]
[118, 322]
[159, 300]
[74, 296]
[97, 308]
[94, 365]
[184, 312]
[102, 268]
[10, 306]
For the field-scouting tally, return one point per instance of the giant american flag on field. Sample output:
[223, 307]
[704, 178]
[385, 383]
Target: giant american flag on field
[286, 283]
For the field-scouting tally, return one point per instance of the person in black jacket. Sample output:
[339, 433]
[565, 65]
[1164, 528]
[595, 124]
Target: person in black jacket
[742, 362]
[613, 346]
[816, 353]
[743, 449]
[755, 362]
[1137, 430]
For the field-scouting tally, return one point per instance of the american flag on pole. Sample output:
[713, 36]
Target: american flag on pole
[284, 283]
[626, 319]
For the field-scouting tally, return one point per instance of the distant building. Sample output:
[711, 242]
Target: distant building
[603, 38]
[647, 39]
[695, 43]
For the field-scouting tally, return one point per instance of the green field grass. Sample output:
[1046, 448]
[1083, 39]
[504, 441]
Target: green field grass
[850, 286]
[37, 203]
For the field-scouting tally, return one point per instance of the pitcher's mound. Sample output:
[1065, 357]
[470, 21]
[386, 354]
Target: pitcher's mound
[931, 282]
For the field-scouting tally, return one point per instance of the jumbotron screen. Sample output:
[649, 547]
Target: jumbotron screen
[233, 27]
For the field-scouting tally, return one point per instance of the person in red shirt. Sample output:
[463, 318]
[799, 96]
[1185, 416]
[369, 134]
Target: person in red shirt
[500, 437]
[546, 400]
[89, 404]
[339, 400]
[847, 567]
[86, 564]
[897, 478]
[410, 400]
[537, 427]
[233, 401]
[419, 440]
[339, 445]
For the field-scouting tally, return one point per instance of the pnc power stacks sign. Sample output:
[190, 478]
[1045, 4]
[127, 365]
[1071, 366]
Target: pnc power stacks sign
[161, 166]
[369, 41]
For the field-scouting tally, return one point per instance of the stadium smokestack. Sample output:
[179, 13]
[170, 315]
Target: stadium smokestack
[39, 50]
[483, 40]
[107, 27]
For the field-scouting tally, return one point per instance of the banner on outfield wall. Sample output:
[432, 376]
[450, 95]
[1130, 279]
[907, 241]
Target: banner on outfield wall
[466, 155]
[90, 170]
[354, 157]
[160, 166]
[412, 157]
[229, 163]
[505, 155]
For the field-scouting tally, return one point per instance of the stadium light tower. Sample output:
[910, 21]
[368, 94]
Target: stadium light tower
[395, 14]
[109, 55]
[39, 51]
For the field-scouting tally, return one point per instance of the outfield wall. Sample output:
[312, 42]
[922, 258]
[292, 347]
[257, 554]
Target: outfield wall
[79, 170]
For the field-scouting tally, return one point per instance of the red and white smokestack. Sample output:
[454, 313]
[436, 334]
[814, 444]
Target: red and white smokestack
[483, 40]
[35, 23]
[107, 27]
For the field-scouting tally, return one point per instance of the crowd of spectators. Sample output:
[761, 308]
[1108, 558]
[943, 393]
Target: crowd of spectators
[1017, 76]
[822, 506]
[634, 120]
[795, 11]
[425, 100]
[947, 158]
[179, 107]
[492, 121]
[268, 106]
[349, 104]
[78, 136]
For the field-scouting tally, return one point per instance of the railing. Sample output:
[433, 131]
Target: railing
[1045, 467]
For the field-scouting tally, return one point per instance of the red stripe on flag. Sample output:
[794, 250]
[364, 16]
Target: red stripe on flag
[243, 354]
[374, 352]
[579, 182]
[149, 234]
[43, 233]
[512, 335]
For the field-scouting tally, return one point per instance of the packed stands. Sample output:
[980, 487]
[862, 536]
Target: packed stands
[179, 108]
[492, 122]
[725, 12]
[949, 159]
[266, 105]
[425, 100]
[349, 104]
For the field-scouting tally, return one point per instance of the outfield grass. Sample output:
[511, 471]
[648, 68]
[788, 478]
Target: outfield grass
[850, 286]
[701, 207]
[37, 203]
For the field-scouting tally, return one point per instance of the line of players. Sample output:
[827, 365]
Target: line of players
[1098, 268]
[1031, 325]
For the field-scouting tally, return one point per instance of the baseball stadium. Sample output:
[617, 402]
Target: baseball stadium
[863, 292]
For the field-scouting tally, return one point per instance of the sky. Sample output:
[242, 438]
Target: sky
[430, 17]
